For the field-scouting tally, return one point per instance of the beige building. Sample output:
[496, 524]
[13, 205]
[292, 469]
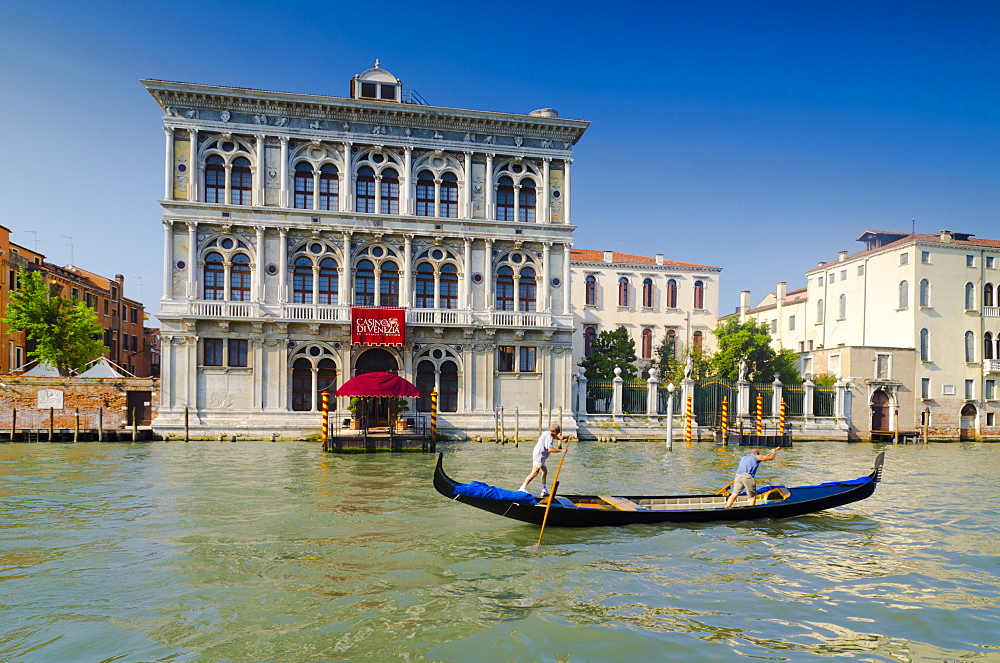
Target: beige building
[912, 322]
[653, 298]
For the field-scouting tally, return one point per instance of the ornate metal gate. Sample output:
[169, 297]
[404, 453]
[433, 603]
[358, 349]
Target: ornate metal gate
[708, 395]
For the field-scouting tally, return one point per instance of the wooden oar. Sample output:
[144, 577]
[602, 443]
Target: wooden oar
[722, 491]
[552, 495]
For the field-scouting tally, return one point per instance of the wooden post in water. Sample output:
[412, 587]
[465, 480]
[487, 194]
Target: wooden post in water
[539, 420]
[517, 426]
[434, 417]
[503, 428]
[496, 424]
[135, 426]
[187, 430]
[550, 418]
[76, 424]
[13, 423]
[927, 417]
[52, 423]
[560, 417]
[100, 424]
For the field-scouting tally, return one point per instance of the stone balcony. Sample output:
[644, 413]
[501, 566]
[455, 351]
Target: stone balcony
[286, 312]
[991, 311]
[991, 366]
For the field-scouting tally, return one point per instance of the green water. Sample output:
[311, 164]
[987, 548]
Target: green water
[258, 551]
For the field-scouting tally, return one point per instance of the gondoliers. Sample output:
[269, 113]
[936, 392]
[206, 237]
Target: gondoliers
[538, 455]
[745, 476]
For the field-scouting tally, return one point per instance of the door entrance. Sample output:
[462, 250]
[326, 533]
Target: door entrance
[376, 360]
[138, 407]
[967, 430]
[880, 411]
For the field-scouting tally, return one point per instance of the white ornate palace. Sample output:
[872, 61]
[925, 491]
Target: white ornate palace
[282, 212]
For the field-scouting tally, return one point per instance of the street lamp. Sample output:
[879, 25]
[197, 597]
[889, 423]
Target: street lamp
[670, 416]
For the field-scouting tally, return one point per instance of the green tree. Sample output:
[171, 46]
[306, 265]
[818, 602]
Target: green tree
[65, 331]
[610, 349]
[671, 359]
[751, 341]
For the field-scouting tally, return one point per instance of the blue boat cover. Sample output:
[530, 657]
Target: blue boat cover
[480, 489]
[849, 482]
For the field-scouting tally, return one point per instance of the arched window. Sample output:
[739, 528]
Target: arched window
[505, 199]
[326, 379]
[970, 297]
[215, 277]
[505, 289]
[904, 295]
[699, 294]
[424, 286]
[328, 281]
[388, 284]
[449, 286]
[589, 334]
[623, 291]
[925, 293]
[590, 290]
[215, 179]
[389, 192]
[671, 293]
[526, 290]
[329, 188]
[526, 202]
[647, 293]
[988, 294]
[239, 278]
[671, 342]
[449, 196]
[365, 190]
[819, 310]
[647, 343]
[987, 346]
[425, 193]
[425, 383]
[301, 385]
[697, 341]
[242, 183]
[364, 284]
[302, 281]
[970, 347]
[303, 186]
[448, 396]
[842, 310]
[925, 345]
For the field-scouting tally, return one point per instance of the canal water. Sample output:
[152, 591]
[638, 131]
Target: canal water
[259, 551]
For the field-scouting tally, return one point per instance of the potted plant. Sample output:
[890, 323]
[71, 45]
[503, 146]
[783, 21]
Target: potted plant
[355, 407]
[397, 406]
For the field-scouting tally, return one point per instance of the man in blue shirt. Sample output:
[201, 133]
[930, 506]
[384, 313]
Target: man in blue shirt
[745, 474]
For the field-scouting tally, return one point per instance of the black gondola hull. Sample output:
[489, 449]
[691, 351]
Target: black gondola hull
[802, 501]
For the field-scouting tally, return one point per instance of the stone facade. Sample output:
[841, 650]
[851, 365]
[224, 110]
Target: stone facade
[283, 212]
[912, 322]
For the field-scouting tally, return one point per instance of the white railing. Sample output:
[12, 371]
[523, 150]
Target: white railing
[212, 309]
[315, 312]
[991, 311]
[991, 366]
[520, 319]
[437, 316]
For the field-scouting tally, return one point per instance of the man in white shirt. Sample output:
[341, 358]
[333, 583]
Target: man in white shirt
[538, 455]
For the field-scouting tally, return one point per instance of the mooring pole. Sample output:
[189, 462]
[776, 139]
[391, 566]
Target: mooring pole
[13, 423]
[135, 426]
[434, 417]
[52, 422]
[187, 430]
[517, 426]
[100, 424]
[503, 428]
[539, 420]
[670, 416]
[326, 419]
[76, 424]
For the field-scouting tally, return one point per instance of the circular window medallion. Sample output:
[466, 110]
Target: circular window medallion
[182, 168]
[516, 258]
[517, 168]
[314, 351]
[228, 147]
[556, 282]
[272, 269]
[477, 278]
[437, 254]
[378, 158]
[227, 243]
[437, 354]
[181, 264]
[556, 193]
[336, 346]
[316, 248]
[377, 251]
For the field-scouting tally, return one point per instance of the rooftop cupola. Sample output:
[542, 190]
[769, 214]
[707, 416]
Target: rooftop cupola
[377, 84]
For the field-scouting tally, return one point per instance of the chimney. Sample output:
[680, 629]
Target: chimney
[946, 236]
[659, 258]
[820, 263]
[780, 292]
[841, 256]
[744, 304]
[609, 256]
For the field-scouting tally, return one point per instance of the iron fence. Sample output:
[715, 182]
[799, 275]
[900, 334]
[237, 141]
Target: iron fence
[599, 397]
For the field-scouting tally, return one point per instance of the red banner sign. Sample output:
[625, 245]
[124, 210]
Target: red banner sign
[377, 325]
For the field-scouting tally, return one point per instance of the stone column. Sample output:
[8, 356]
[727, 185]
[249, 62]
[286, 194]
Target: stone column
[195, 167]
[565, 278]
[257, 173]
[546, 211]
[838, 403]
[742, 399]
[581, 392]
[192, 290]
[488, 274]
[407, 293]
[566, 194]
[546, 288]
[315, 189]
[807, 400]
[168, 172]
[406, 204]
[258, 269]
[466, 201]
[283, 174]
[282, 265]
[776, 395]
[437, 197]
[347, 194]
[348, 289]
[617, 386]
[465, 300]
[168, 259]
[228, 196]
[652, 385]
[489, 212]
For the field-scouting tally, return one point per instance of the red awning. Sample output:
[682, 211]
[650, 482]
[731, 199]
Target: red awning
[377, 384]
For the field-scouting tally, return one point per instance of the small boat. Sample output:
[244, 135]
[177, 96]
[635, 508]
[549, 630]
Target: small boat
[607, 510]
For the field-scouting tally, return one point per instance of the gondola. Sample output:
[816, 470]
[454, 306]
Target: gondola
[606, 510]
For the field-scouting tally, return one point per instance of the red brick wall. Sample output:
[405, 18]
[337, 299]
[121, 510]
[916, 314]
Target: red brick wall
[92, 397]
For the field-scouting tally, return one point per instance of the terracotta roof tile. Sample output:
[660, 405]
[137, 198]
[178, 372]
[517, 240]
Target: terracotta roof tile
[619, 258]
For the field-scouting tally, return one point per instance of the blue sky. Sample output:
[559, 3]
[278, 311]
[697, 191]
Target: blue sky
[761, 137]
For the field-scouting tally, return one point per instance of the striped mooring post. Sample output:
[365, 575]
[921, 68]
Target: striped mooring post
[326, 416]
[725, 420]
[781, 418]
[688, 419]
[434, 416]
[760, 414]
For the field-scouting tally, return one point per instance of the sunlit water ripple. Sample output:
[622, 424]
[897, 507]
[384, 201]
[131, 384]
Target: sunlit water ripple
[258, 551]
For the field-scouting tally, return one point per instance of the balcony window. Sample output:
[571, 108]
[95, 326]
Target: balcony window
[328, 283]
[239, 278]
[329, 188]
[302, 281]
[303, 186]
[424, 286]
[448, 287]
[215, 277]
